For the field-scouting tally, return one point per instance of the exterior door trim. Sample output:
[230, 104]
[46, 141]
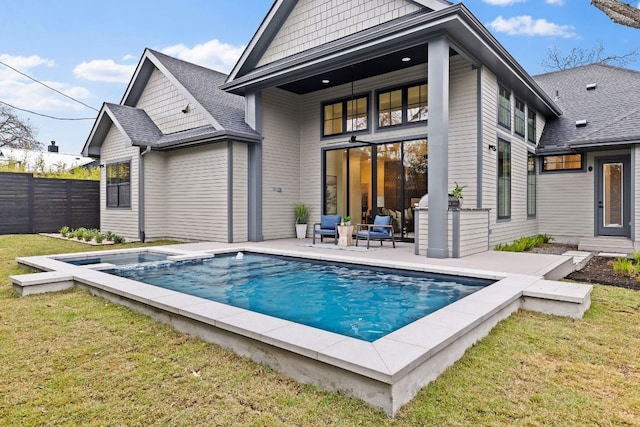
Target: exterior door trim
[600, 204]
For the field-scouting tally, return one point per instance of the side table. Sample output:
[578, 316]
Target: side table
[345, 233]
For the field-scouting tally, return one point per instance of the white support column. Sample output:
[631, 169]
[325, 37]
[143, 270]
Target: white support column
[438, 69]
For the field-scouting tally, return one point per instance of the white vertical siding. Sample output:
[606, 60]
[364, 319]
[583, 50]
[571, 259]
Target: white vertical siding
[240, 192]
[280, 163]
[122, 221]
[463, 137]
[164, 102]
[474, 231]
[518, 224]
[474, 236]
[154, 195]
[562, 194]
[312, 23]
[196, 193]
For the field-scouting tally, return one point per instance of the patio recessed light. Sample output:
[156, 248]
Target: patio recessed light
[326, 81]
[406, 59]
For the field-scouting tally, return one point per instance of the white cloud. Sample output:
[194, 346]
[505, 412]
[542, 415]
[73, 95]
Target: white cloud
[526, 25]
[212, 54]
[555, 2]
[22, 92]
[35, 97]
[129, 57]
[104, 70]
[505, 2]
[25, 63]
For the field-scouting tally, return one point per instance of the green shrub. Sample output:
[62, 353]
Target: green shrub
[524, 243]
[64, 231]
[79, 233]
[117, 239]
[99, 237]
[624, 266]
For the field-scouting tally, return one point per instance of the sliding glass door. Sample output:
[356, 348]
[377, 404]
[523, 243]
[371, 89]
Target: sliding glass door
[384, 179]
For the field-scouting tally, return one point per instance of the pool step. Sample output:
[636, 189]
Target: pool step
[557, 298]
[38, 283]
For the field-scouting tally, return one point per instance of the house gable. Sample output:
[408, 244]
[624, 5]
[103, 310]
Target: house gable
[165, 102]
[175, 103]
[314, 23]
[293, 26]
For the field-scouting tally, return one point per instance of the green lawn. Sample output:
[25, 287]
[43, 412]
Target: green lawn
[69, 358]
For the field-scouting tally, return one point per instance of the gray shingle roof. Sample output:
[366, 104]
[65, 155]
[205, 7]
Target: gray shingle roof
[612, 109]
[203, 84]
[135, 123]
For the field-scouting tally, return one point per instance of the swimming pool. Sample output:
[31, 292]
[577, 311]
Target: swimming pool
[386, 373]
[125, 258]
[358, 302]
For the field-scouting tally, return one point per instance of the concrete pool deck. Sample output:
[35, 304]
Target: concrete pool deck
[386, 373]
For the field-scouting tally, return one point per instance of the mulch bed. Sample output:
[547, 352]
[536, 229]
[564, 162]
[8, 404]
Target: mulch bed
[599, 271]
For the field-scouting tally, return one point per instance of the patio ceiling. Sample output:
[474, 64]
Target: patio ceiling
[373, 67]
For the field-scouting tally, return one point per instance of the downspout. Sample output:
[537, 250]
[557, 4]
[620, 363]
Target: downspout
[141, 193]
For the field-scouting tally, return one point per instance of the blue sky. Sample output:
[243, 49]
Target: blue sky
[89, 50]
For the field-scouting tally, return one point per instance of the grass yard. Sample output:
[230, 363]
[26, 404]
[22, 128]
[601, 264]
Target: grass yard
[70, 358]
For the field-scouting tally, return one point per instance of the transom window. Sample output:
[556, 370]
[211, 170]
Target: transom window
[519, 123]
[345, 116]
[403, 106]
[531, 126]
[562, 162]
[119, 184]
[504, 107]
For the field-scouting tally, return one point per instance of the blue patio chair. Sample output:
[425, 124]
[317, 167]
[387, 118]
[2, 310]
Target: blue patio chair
[328, 226]
[381, 229]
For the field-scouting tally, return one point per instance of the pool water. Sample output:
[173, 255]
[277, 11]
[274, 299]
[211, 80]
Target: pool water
[356, 301]
[120, 259]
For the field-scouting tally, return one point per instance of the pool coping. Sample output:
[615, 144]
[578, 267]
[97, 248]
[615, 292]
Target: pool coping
[425, 347]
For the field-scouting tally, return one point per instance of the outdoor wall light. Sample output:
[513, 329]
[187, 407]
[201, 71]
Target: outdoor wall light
[492, 147]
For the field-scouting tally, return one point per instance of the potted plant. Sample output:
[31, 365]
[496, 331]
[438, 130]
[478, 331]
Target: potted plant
[346, 220]
[457, 192]
[302, 215]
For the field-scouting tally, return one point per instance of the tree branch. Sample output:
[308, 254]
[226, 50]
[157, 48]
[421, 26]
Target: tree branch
[619, 12]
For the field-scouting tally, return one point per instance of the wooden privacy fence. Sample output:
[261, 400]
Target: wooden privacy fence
[44, 205]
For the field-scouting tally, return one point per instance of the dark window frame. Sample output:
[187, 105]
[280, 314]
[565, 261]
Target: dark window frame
[531, 186]
[404, 107]
[531, 125]
[580, 168]
[504, 166]
[504, 107]
[344, 102]
[123, 198]
[520, 118]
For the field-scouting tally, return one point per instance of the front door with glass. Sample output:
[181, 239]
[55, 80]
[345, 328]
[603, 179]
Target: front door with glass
[613, 182]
